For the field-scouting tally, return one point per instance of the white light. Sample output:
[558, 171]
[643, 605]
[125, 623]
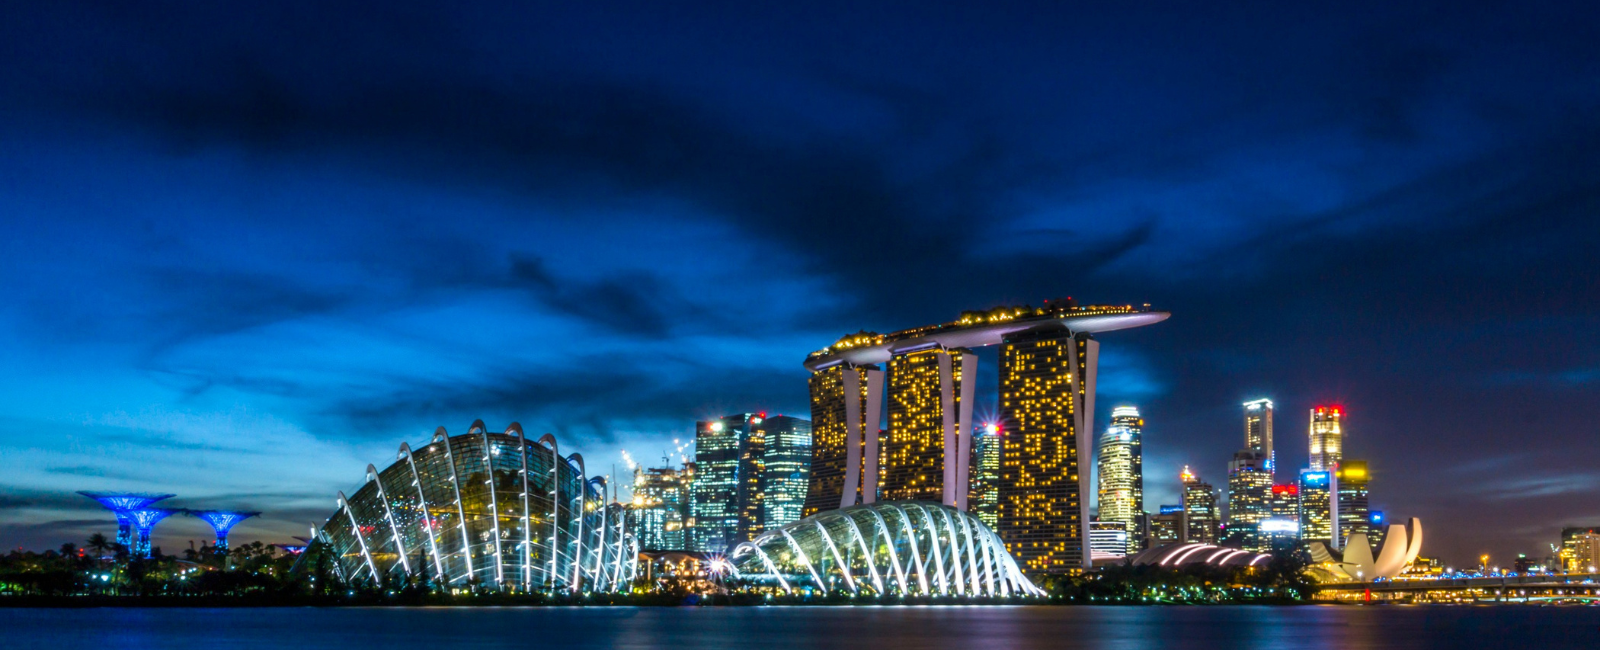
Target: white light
[716, 426]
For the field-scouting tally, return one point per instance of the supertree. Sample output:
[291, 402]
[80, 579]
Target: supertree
[143, 520]
[122, 503]
[222, 521]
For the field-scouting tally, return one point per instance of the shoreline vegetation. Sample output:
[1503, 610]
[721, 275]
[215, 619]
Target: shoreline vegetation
[255, 575]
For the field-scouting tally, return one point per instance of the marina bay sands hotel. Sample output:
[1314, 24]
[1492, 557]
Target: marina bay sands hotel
[926, 376]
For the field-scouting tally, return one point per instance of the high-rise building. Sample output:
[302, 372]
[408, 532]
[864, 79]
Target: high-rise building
[1355, 513]
[1121, 472]
[922, 413]
[1377, 528]
[1318, 508]
[1258, 431]
[1327, 438]
[787, 469]
[841, 411]
[1282, 529]
[1249, 499]
[660, 511]
[1046, 407]
[1200, 502]
[1169, 526]
[984, 501]
[1108, 539]
[726, 481]
[1577, 548]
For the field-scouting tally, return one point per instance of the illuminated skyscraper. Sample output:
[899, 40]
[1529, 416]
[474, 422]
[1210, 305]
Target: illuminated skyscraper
[1121, 472]
[1355, 514]
[787, 470]
[1282, 529]
[1258, 431]
[727, 496]
[1317, 506]
[842, 411]
[661, 510]
[1046, 407]
[1249, 498]
[984, 501]
[1200, 502]
[922, 419]
[1109, 539]
[1327, 438]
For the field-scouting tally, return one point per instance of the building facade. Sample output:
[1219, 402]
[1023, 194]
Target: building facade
[925, 391]
[786, 469]
[1109, 540]
[1281, 530]
[1317, 506]
[1355, 512]
[1200, 502]
[1120, 463]
[984, 502]
[841, 411]
[1327, 438]
[661, 507]
[725, 506]
[1249, 499]
[1258, 431]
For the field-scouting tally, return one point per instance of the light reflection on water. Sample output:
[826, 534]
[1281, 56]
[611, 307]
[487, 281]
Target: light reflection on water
[779, 628]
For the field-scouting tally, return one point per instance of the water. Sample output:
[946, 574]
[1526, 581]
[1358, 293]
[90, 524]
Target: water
[773, 628]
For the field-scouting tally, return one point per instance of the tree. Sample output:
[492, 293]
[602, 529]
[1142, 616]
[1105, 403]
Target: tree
[100, 545]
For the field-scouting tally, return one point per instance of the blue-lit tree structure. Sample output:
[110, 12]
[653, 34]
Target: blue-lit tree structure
[122, 503]
[144, 520]
[222, 521]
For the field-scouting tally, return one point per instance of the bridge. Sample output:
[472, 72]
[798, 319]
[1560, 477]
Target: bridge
[1535, 588]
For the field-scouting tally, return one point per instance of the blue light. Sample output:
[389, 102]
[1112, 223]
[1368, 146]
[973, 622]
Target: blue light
[222, 521]
[120, 504]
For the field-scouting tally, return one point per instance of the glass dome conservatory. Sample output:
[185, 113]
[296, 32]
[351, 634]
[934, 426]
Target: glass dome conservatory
[909, 548]
[480, 510]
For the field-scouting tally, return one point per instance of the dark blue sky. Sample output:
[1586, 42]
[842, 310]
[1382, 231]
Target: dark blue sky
[246, 254]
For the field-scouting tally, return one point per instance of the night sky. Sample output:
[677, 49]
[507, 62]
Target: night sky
[245, 254]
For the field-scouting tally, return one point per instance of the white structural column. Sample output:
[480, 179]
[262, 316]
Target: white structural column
[388, 512]
[527, 524]
[801, 553]
[988, 560]
[874, 409]
[916, 553]
[972, 554]
[894, 558]
[838, 560]
[955, 551]
[455, 483]
[871, 559]
[947, 411]
[360, 539]
[964, 428]
[322, 535]
[938, 555]
[600, 545]
[426, 519]
[494, 500]
[555, 504]
[852, 437]
[1085, 379]
[767, 562]
[583, 513]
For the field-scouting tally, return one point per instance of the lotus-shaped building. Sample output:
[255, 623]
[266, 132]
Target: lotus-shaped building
[479, 510]
[1400, 548]
[909, 548]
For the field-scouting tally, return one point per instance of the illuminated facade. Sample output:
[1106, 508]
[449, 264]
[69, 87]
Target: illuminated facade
[984, 501]
[1258, 431]
[1327, 438]
[1046, 394]
[122, 503]
[661, 509]
[843, 422]
[1355, 513]
[926, 391]
[1282, 529]
[1121, 473]
[787, 469]
[1580, 549]
[727, 496]
[1249, 498]
[1168, 526]
[479, 511]
[1317, 506]
[916, 548]
[1200, 502]
[221, 522]
[1109, 540]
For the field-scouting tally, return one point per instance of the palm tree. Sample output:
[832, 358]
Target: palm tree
[100, 544]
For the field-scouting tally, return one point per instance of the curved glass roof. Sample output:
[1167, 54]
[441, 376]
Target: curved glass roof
[909, 548]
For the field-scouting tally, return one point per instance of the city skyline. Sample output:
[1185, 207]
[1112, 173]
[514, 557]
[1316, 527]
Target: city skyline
[247, 252]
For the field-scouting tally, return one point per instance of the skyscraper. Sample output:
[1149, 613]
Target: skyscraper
[984, 501]
[787, 470]
[1355, 514]
[922, 416]
[1121, 472]
[1046, 407]
[1200, 503]
[1249, 498]
[1258, 431]
[1282, 529]
[1327, 438]
[660, 510]
[724, 485]
[841, 412]
[1318, 508]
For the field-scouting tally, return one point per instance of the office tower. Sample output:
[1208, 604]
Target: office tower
[1377, 528]
[1354, 512]
[1575, 548]
[1318, 508]
[923, 417]
[1121, 472]
[1249, 499]
[984, 502]
[1282, 529]
[661, 507]
[1200, 502]
[1169, 526]
[1108, 539]
[841, 409]
[1327, 438]
[1258, 431]
[1046, 409]
[726, 481]
[787, 471]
